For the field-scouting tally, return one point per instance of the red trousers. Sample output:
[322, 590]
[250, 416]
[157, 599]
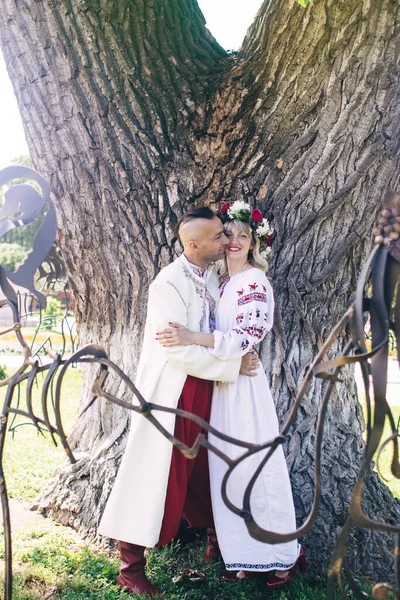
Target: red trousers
[188, 490]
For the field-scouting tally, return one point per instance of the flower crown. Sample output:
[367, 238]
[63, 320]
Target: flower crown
[241, 211]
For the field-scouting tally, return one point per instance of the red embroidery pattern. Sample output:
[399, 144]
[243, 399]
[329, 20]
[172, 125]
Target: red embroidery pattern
[258, 312]
[245, 343]
[223, 285]
[239, 318]
[253, 286]
[257, 332]
[264, 287]
[259, 296]
[240, 292]
[266, 317]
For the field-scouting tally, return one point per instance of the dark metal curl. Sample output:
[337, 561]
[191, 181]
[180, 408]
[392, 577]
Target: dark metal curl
[22, 205]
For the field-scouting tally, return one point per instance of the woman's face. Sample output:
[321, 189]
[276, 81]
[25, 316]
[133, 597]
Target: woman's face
[239, 242]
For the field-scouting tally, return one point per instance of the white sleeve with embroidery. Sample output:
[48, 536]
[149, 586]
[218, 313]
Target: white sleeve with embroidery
[254, 318]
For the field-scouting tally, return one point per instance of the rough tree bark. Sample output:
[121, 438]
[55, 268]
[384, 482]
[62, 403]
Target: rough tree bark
[133, 112]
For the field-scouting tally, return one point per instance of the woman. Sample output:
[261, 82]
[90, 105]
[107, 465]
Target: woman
[245, 409]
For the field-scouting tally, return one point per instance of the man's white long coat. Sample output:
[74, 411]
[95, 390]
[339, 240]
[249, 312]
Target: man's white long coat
[135, 508]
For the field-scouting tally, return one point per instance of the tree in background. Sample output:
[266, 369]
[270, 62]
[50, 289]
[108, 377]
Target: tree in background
[11, 255]
[134, 113]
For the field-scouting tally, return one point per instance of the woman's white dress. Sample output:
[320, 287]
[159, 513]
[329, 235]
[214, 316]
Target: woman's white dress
[246, 410]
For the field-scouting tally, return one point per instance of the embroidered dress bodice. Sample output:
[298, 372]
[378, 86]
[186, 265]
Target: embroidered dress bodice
[246, 303]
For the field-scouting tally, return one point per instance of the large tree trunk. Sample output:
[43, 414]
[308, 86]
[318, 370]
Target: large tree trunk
[134, 113]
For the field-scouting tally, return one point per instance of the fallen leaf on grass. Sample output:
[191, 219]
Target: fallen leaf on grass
[189, 575]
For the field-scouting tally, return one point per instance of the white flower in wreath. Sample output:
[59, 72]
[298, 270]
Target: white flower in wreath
[237, 207]
[266, 253]
[264, 229]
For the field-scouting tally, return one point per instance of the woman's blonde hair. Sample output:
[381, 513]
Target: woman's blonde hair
[254, 258]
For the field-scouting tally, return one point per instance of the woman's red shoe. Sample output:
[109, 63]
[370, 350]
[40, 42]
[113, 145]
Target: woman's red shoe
[230, 577]
[236, 576]
[278, 582]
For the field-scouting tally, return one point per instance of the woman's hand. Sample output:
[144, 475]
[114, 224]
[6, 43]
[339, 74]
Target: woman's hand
[176, 335]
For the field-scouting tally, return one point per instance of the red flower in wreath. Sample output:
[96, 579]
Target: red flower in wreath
[268, 240]
[225, 207]
[256, 215]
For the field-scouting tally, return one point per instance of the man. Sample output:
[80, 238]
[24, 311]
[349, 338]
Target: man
[156, 484]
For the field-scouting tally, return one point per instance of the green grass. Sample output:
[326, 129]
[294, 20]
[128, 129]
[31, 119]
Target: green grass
[50, 564]
[387, 454]
[9, 342]
[165, 563]
[30, 458]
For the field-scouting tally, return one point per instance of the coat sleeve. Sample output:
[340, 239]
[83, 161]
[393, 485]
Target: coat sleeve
[167, 304]
[254, 318]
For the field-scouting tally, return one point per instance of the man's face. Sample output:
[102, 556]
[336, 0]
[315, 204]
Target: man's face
[211, 239]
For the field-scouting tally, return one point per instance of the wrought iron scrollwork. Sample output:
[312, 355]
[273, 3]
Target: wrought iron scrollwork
[22, 204]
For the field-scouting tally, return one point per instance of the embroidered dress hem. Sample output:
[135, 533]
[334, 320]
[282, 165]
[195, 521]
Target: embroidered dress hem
[273, 566]
[259, 568]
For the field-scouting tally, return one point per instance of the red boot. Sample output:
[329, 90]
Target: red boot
[132, 574]
[278, 582]
[213, 553]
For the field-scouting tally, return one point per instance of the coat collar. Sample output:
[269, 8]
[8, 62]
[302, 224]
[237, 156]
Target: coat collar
[195, 271]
